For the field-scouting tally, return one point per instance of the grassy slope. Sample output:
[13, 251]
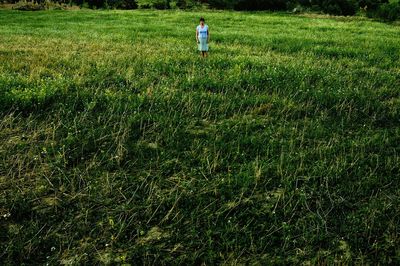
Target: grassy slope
[117, 143]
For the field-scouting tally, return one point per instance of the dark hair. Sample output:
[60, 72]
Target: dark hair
[202, 19]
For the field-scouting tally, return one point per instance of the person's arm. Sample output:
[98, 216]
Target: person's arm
[208, 35]
[197, 36]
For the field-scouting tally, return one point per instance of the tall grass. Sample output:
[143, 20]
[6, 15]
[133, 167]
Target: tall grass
[119, 144]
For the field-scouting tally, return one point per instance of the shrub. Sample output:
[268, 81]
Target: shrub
[180, 4]
[222, 4]
[261, 5]
[29, 6]
[158, 4]
[339, 7]
[122, 4]
[389, 11]
[371, 5]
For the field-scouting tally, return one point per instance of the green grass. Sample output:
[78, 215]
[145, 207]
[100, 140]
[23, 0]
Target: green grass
[119, 144]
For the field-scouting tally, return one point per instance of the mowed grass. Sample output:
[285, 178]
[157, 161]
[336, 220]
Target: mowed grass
[118, 144]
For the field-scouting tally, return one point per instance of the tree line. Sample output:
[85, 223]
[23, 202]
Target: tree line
[386, 9]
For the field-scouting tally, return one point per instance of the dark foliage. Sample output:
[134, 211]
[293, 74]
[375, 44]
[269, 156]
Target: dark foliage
[371, 4]
[389, 11]
[261, 5]
[339, 7]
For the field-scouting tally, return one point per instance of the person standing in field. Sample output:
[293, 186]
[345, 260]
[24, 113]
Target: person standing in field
[202, 37]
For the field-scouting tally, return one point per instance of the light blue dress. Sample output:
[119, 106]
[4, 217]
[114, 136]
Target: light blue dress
[203, 35]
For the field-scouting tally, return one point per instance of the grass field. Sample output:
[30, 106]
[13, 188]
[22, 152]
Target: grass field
[119, 144]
